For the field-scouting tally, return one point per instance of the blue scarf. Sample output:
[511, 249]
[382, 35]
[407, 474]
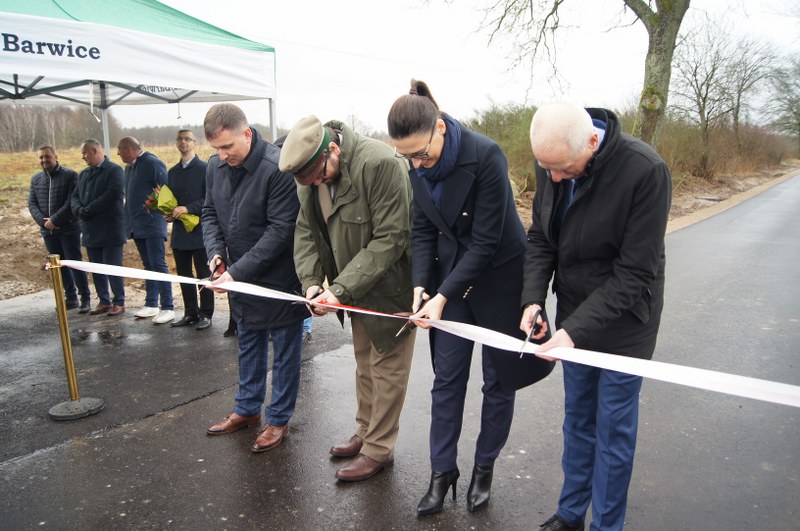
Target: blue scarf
[435, 175]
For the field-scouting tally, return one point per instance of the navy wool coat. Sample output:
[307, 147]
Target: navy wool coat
[248, 218]
[100, 192]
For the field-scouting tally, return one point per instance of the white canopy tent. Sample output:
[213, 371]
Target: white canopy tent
[126, 52]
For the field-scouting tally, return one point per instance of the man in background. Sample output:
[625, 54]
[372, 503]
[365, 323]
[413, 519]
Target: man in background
[49, 204]
[248, 225]
[143, 173]
[187, 180]
[98, 202]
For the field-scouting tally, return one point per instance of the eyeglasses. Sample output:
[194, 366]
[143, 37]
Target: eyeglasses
[419, 155]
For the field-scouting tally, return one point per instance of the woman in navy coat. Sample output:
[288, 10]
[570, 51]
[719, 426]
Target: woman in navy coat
[468, 247]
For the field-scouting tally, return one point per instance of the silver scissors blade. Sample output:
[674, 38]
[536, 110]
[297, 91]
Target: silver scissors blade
[534, 326]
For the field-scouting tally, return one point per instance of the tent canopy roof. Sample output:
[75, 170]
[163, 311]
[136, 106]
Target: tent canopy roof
[139, 15]
[101, 53]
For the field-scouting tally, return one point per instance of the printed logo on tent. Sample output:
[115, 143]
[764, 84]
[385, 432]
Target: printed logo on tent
[13, 43]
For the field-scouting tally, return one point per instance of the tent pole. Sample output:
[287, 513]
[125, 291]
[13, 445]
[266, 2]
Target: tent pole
[272, 128]
[104, 114]
[106, 140]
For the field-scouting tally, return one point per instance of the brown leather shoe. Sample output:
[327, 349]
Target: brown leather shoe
[100, 308]
[116, 310]
[269, 437]
[360, 468]
[351, 448]
[232, 423]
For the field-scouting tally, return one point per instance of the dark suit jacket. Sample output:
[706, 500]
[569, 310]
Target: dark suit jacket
[473, 248]
[189, 186]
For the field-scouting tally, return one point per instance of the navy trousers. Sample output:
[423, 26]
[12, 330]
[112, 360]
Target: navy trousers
[453, 357]
[601, 416]
[111, 255]
[287, 342]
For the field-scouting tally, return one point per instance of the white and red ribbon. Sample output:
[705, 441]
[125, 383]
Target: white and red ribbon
[732, 384]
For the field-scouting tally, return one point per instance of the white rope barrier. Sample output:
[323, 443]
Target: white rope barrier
[732, 384]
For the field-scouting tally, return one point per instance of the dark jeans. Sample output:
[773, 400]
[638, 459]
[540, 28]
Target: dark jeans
[253, 357]
[111, 255]
[68, 247]
[153, 255]
[183, 265]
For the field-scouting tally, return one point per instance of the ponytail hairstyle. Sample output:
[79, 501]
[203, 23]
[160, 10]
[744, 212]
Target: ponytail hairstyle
[413, 113]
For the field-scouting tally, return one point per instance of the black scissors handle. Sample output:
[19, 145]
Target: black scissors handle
[535, 328]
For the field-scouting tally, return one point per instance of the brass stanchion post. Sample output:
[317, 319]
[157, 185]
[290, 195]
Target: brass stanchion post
[76, 407]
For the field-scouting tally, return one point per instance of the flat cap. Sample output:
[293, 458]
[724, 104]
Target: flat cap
[304, 145]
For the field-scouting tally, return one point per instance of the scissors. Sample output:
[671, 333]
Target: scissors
[535, 328]
[216, 273]
[319, 292]
[409, 323]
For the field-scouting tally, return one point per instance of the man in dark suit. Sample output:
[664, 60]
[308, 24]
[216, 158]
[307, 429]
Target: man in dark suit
[187, 180]
[143, 173]
[599, 218]
[98, 202]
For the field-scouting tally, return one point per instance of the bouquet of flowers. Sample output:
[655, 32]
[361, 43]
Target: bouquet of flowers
[163, 200]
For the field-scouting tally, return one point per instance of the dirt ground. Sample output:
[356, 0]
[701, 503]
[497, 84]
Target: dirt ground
[22, 249]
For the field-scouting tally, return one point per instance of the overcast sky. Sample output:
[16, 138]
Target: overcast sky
[355, 57]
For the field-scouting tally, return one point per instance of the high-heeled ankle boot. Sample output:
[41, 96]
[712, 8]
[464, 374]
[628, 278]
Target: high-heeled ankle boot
[433, 500]
[480, 487]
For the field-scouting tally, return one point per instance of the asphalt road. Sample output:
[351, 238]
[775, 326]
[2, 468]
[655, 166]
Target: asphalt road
[704, 461]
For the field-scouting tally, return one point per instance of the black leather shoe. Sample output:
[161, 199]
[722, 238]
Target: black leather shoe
[85, 306]
[433, 500]
[71, 305]
[185, 321]
[480, 487]
[555, 523]
[231, 331]
[203, 323]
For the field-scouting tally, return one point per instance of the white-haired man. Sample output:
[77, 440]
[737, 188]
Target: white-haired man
[599, 218]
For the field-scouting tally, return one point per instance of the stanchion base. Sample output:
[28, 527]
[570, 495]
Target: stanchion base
[77, 409]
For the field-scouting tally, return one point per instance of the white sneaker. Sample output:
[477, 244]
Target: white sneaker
[164, 316]
[147, 311]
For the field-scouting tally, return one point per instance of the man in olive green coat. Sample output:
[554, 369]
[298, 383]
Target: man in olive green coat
[354, 231]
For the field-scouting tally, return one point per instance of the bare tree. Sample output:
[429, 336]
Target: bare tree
[749, 66]
[537, 21]
[785, 100]
[702, 88]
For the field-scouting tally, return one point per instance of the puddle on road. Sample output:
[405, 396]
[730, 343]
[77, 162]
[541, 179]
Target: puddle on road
[107, 337]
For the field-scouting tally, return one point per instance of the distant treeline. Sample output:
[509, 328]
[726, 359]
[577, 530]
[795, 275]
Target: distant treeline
[24, 127]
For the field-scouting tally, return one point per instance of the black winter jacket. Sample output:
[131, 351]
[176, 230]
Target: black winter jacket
[608, 258]
[50, 196]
